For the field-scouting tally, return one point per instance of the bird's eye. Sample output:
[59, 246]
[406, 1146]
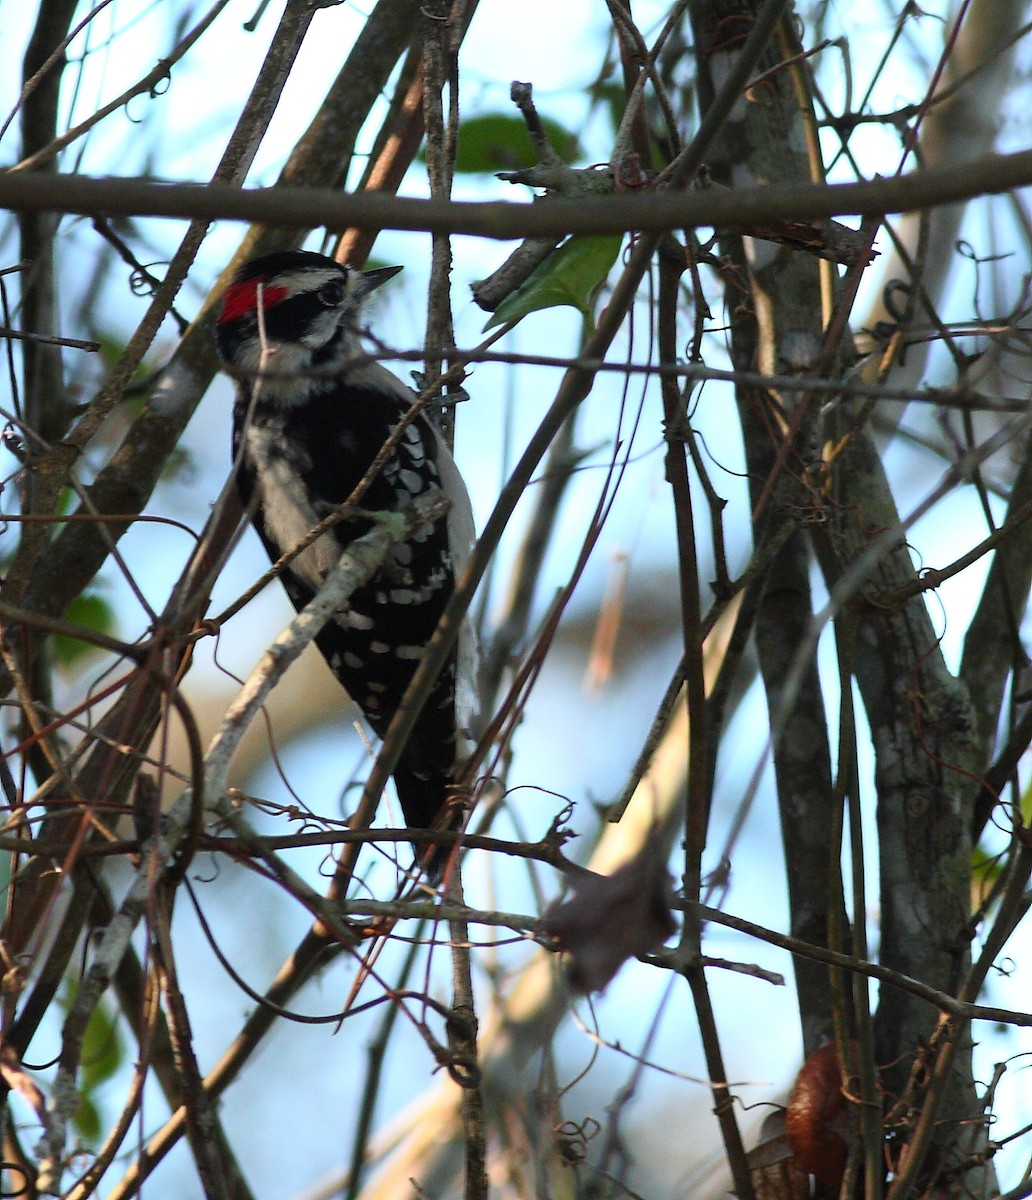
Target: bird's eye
[331, 294]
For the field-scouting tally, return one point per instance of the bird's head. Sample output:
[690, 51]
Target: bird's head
[292, 313]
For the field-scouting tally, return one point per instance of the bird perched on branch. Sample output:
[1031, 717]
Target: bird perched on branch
[312, 412]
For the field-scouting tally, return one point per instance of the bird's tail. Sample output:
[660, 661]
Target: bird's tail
[429, 803]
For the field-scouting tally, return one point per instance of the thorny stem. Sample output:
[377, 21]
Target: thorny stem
[440, 69]
[674, 417]
[462, 1041]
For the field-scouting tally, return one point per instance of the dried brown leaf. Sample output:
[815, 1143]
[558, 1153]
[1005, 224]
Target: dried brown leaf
[611, 918]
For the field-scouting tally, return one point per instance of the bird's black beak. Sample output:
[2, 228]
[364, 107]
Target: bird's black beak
[371, 280]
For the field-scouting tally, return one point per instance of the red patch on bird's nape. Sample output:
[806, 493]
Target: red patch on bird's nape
[242, 297]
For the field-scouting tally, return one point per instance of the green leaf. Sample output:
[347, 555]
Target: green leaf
[985, 871]
[102, 1050]
[180, 465]
[87, 1121]
[986, 868]
[572, 275]
[91, 611]
[498, 142]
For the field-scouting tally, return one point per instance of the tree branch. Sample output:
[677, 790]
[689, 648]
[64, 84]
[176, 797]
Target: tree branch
[311, 207]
